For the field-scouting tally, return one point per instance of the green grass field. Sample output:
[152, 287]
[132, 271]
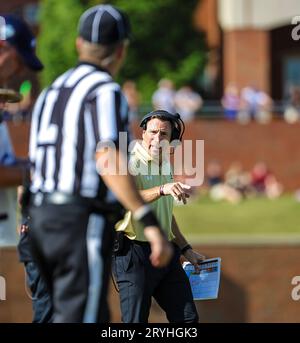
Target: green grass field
[252, 216]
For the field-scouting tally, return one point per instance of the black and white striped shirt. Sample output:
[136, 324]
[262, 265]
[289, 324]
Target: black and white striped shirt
[82, 107]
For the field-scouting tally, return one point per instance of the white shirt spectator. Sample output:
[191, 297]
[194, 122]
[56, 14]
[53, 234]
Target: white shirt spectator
[163, 97]
[187, 103]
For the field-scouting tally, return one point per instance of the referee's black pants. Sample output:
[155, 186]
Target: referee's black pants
[73, 249]
[139, 281]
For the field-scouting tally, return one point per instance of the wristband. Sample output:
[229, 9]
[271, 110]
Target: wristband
[186, 248]
[161, 190]
[141, 211]
[149, 219]
[145, 216]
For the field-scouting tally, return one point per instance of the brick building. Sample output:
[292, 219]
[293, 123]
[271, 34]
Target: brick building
[251, 42]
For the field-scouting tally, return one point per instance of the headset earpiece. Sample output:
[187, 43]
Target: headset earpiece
[175, 134]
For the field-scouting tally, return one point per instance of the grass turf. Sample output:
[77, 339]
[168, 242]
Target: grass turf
[251, 216]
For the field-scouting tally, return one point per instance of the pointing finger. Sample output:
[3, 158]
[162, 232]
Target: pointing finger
[183, 185]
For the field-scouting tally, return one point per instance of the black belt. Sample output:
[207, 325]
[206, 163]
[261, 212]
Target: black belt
[60, 198]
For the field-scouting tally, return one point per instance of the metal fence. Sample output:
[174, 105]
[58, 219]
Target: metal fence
[212, 109]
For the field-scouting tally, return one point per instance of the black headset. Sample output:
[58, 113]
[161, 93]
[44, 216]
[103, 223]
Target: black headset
[178, 126]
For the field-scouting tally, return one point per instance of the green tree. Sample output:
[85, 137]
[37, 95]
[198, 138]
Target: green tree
[164, 41]
[56, 42]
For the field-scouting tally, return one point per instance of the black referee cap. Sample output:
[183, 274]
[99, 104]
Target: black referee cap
[104, 24]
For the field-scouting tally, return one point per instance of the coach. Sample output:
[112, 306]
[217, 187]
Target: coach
[137, 280]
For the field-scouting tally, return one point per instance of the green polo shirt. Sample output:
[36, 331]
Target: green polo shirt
[149, 174]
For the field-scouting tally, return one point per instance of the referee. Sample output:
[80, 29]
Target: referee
[73, 209]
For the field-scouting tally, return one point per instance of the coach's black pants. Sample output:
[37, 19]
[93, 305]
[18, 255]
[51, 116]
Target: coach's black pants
[138, 281]
[73, 249]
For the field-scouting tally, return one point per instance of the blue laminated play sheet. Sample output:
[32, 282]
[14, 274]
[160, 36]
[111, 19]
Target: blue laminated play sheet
[205, 285]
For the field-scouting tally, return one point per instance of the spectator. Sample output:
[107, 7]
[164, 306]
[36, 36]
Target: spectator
[255, 104]
[264, 182]
[238, 179]
[163, 97]
[231, 101]
[259, 175]
[297, 195]
[214, 173]
[273, 188]
[292, 110]
[187, 103]
[133, 98]
[218, 189]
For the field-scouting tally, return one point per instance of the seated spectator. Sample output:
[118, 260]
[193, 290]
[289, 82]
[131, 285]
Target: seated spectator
[292, 111]
[218, 190]
[297, 195]
[187, 103]
[259, 175]
[238, 179]
[214, 174]
[264, 182]
[163, 97]
[231, 101]
[273, 188]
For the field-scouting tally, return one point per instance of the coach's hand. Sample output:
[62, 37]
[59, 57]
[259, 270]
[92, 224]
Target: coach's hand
[161, 249]
[194, 258]
[178, 190]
